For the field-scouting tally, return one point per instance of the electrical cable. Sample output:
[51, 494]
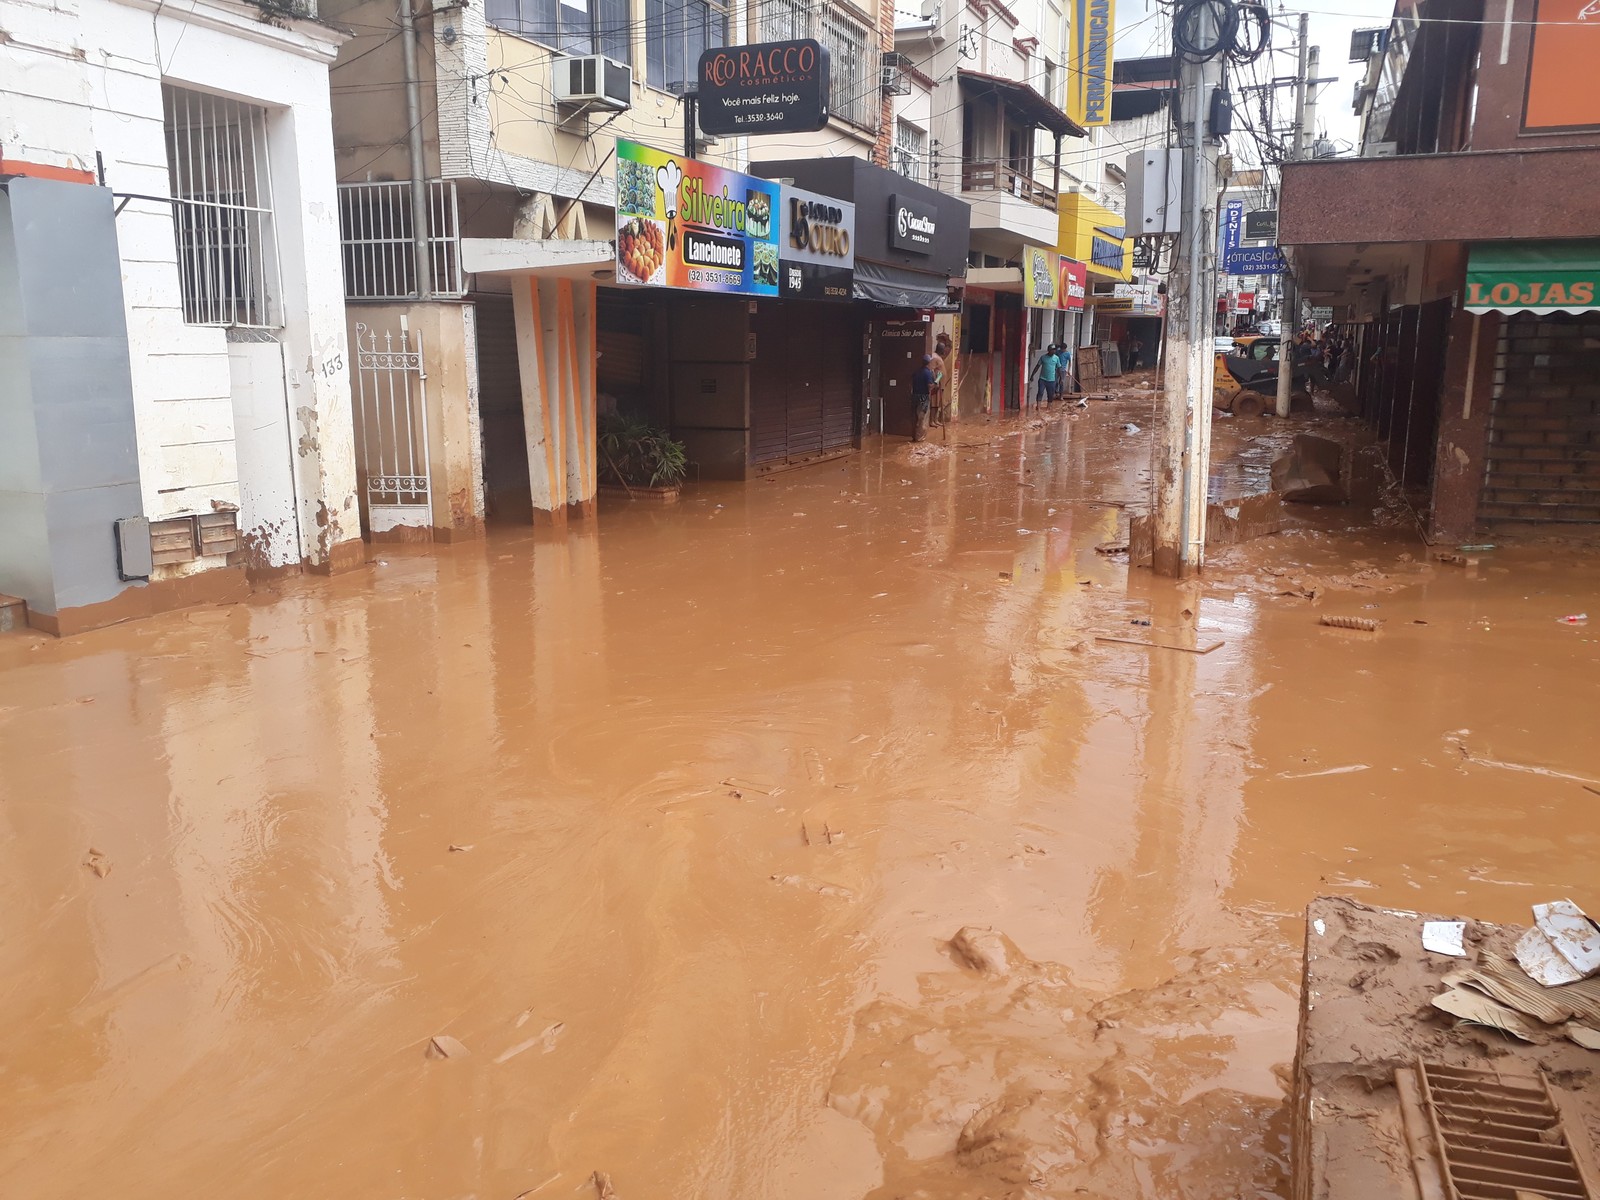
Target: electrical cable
[1185, 28]
[1243, 50]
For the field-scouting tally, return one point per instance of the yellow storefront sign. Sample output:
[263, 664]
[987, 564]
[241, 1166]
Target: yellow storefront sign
[1095, 236]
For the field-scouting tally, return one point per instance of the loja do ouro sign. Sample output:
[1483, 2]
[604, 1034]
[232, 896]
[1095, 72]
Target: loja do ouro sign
[772, 87]
[684, 223]
[912, 225]
[816, 245]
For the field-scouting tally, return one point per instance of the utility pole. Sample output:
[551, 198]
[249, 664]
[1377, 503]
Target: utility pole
[1290, 319]
[1184, 455]
[420, 253]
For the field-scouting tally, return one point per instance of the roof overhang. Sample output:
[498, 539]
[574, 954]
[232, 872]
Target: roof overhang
[551, 258]
[1024, 101]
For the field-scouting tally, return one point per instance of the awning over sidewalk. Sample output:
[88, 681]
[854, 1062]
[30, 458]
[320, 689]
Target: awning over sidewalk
[1536, 277]
[899, 288]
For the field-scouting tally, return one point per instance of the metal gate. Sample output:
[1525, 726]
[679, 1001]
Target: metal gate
[392, 427]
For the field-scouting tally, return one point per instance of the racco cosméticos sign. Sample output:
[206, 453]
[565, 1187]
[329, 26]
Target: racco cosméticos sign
[771, 87]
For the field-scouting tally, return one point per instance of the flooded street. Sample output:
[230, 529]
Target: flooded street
[671, 824]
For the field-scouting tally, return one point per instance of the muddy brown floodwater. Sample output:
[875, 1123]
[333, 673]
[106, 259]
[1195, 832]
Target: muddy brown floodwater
[671, 825]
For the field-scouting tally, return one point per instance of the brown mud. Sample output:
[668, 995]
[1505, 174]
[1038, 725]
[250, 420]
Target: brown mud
[669, 826]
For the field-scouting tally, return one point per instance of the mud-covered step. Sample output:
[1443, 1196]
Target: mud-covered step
[1555, 514]
[13, 613]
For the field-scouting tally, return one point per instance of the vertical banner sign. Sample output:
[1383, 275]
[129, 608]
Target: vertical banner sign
[1089, 80]
[816, 246]
[1040, 277]
[1074, 284]
[1239, 259]
[683, 223]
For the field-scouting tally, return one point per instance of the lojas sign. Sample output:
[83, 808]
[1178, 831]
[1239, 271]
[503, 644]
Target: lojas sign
[912, 224]
[816, 245]
[772, 87]
[684, 223]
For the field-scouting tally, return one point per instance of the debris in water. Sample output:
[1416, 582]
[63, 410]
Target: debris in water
[1122, 641]
[98, 863]
[458, 849]
[1140, 621]
[547, 1039]
[1005, 574]
[602, 1187]
[445, 1046]
[1111, 548]
[805, 837]
[1130, 427]
[1365, 624]
[1574, 618]
[985, 950]
[812, 885]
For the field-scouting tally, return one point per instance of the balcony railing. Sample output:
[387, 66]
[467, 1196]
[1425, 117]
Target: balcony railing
[1002, 177]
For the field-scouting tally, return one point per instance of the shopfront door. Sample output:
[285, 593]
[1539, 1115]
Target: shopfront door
[898, 344]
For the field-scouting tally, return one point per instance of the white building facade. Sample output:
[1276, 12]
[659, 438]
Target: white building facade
[194, 144]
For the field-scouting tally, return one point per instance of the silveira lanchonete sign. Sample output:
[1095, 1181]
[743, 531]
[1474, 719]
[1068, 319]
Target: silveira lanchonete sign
[771, 87]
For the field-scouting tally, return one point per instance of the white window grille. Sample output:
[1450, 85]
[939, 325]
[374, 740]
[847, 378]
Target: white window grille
[379, 258]
[853, 54]
[221, 181]
[910, 151]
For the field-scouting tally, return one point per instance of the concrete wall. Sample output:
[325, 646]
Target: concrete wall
[82, 76]
[68, 459]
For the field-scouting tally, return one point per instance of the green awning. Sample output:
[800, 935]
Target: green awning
[1536, 277]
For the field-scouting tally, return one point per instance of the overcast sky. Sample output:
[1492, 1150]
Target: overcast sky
[1142, 30]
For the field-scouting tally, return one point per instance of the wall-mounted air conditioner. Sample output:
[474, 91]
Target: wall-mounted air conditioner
[592, 80]
[892, 78]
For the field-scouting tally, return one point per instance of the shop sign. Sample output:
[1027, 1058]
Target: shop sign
[1109, 248]
[816, 245]
[1040, 278]
[1089, 84]
[1322, 314]
[1239, 259]
[1261, 225]
[1246, 302]
[773, 87]
[683, 223]
[912, 224]
[1074, 283]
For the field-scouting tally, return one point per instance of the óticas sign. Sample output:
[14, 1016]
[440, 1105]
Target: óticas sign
[771, 87]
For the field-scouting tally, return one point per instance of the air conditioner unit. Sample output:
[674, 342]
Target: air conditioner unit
[592, 80]
[892, 80]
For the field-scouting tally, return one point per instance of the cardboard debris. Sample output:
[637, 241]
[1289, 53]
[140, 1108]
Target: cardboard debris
[1570, 930]
[1311, 473]
[1474, 1008]
[1444, 937]
[445, 1046]
[1588, 1038]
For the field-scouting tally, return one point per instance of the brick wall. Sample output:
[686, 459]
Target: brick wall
[1544, 435]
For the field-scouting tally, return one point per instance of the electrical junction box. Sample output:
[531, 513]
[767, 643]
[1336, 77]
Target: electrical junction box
[1155, 191]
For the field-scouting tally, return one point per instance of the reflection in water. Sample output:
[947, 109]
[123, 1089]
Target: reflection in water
[669, 823]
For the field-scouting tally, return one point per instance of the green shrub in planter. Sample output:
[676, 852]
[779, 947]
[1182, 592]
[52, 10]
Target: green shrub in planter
[635, 453]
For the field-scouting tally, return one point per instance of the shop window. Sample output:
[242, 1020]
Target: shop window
[975, 330]
[676, 32]
[571, 26]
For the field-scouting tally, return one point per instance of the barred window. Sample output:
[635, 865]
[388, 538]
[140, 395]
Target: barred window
[910, 151]
[852, 52]
[221, 186]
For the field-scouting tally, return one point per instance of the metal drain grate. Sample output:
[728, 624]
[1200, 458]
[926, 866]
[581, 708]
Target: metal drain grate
[1499, 1140]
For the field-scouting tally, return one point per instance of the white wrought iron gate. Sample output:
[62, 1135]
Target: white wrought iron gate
[392, 427]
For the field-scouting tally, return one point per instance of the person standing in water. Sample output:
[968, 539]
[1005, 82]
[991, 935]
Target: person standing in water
[921, 398]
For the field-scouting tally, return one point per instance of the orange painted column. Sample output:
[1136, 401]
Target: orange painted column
[556, 357]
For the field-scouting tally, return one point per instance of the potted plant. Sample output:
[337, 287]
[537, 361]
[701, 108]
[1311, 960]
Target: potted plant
[639, 461]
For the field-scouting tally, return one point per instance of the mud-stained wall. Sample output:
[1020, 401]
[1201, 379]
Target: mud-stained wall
[455, 469]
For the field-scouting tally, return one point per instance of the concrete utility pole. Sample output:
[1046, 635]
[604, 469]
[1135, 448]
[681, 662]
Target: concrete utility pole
[419, 180]
[1184, 459]
[1290, 320]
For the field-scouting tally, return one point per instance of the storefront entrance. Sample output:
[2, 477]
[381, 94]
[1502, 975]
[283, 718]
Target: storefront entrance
[805, 377]
[898, 344]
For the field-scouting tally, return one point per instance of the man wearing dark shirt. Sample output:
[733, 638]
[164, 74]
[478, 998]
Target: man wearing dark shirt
[921, 392]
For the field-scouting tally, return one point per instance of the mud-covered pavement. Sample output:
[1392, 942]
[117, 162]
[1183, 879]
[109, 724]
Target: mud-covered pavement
[671, 824]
